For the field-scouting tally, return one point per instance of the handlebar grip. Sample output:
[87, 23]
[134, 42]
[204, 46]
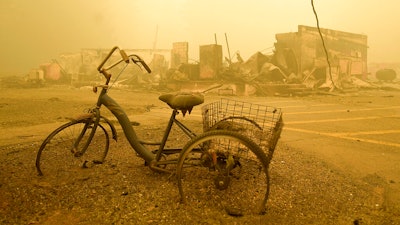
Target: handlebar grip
[145, 66]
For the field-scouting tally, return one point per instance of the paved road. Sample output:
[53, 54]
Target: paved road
[357, 133]
[366, 135]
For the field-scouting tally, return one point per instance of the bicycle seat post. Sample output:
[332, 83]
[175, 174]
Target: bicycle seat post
[178, 102]
[166, 133]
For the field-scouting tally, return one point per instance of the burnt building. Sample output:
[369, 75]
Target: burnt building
[302, 53]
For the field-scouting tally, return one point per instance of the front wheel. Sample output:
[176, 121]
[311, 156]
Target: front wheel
[61, 152]
[224, 169]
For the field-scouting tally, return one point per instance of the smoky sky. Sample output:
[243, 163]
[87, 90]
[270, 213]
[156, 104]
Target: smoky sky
[34, 32]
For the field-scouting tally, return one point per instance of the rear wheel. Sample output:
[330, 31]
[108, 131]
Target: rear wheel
[62, 151]
[224, 169]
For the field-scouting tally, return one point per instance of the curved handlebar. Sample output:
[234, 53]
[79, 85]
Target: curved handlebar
[136, 59]
[125, 58]
[145, 66]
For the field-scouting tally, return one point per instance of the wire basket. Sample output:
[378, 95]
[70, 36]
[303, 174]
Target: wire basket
[263, 124]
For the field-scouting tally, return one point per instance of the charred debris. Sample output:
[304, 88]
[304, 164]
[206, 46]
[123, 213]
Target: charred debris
[298, 65]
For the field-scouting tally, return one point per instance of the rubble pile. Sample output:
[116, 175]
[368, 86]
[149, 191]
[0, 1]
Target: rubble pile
[299, 64]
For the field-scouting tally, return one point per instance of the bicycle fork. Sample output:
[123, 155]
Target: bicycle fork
[92, 123]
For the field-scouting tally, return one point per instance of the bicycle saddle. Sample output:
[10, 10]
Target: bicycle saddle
[184, 101]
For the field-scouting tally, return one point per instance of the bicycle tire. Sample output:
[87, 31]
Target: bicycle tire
[57, 155]
[224, 169]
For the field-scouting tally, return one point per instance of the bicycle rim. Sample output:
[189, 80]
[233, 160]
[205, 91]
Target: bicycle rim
[224, 170]
[58, 157]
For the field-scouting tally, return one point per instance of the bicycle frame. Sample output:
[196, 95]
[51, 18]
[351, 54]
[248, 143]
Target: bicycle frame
[151, 158]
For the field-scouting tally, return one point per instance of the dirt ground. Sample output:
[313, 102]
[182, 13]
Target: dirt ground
[305, 189]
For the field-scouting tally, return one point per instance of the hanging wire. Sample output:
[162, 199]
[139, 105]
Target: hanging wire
[323, 44]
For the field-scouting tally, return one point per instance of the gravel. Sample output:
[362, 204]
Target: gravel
[304, 190]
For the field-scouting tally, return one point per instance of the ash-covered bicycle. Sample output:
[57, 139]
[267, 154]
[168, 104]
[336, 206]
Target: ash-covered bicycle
[224, 167]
